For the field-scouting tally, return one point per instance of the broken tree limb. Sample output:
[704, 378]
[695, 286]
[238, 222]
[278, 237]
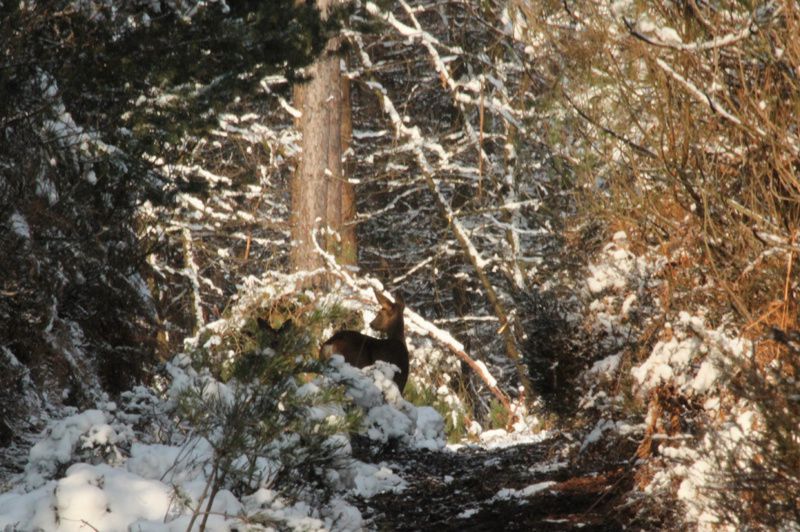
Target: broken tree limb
[419, 324]
[457, 348]
[507, 328]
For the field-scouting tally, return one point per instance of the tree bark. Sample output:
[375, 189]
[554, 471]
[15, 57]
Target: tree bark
[321, 195]
[348, 249]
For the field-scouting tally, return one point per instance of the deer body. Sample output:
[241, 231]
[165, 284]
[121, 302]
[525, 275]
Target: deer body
[360, 350]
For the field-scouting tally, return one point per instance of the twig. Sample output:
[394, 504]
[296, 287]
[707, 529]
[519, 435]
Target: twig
[784, 318]
[718, 42]
[700, 95]
[196, 512]
[87, 523]
[481, 109]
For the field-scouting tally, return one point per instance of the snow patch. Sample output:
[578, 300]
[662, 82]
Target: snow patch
[19, 225]
[529, 491]
[500, 438]
[387, 415]
[367, 480]
[61, 440]
[675, 360]
[607, 366]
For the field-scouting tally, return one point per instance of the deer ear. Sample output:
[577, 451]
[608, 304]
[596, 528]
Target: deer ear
[398, 300]
[381, 298]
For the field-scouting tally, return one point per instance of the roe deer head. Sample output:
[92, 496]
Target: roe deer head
[360, 350]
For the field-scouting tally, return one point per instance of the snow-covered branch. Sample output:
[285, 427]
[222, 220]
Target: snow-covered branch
[191, 272]
[421, 326]
[668, 38]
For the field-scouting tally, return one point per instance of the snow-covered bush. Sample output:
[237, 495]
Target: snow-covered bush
[387, 416]
[247, 399]
[89, 436]
[756, 454]
[266, 432]
[85, 141]
[261, 438]
[743, 471]
[282, 404]
[675, 122]
[620, 292]
[437, 380]
[717, 424]
[213, 476]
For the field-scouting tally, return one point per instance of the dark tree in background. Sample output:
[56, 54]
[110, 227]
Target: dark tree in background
[90, 97]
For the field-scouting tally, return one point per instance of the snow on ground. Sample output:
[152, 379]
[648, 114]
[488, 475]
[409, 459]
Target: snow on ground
[694, 465]
[691, 357]
[91, 469]
[499, 438]
[528, 491]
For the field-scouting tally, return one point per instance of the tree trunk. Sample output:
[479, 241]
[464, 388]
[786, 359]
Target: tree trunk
[321, 195]
[348, 248]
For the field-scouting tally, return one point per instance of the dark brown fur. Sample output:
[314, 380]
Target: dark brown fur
[360, 350]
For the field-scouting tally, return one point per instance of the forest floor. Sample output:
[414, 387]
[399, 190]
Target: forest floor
[522, 487]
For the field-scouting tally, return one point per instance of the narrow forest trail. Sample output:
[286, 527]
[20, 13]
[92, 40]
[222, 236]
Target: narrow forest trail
[524, 487]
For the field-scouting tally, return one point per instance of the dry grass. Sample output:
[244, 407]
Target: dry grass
[693, 149]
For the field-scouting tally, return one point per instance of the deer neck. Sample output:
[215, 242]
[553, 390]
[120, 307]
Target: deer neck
[395, 331]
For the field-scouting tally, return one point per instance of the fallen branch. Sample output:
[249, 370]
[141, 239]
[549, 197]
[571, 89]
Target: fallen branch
[419, 324]
[445, 338]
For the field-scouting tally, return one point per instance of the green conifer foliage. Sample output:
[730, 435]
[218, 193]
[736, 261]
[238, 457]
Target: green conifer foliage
[90, 94]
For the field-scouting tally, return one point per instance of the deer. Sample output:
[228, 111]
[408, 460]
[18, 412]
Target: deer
[360, 350]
